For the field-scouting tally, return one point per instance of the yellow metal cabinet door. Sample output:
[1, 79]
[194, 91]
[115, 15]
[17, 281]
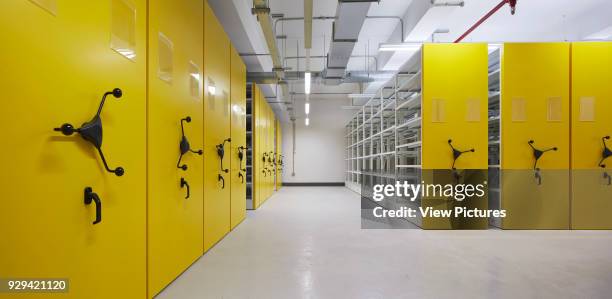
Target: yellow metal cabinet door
[591, 128]
[238, 126]
[535, 106]
[454, 111]
[55, 71]
[175, 223]
[217, 181]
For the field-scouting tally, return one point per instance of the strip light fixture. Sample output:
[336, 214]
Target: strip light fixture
[307, 78]
[401, 47]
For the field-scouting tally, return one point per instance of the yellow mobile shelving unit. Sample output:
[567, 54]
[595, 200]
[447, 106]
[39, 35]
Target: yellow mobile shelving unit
[591, 111]
[175, 140]
[535, 137]
[75, 207]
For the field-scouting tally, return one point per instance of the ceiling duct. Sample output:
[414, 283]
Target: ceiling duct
[261, 8]
[350, 16]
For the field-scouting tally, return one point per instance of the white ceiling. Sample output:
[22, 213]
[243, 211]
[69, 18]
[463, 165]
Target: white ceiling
[535, 20]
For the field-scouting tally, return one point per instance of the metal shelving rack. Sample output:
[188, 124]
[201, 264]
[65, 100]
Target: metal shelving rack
[494, 132]
[383, 140]
[249, 136]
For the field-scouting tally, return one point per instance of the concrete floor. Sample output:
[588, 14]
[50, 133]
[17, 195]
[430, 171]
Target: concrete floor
[306, 242]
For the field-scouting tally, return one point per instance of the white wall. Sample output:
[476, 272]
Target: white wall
[320, 147]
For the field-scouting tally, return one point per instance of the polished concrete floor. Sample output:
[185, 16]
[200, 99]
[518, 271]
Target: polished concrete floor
[306, 242]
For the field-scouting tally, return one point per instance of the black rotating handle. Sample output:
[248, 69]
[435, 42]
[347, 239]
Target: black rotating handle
[222, 179]
[606, 153]
[456, 154]
[184, 145]
[221, 153]
[185, 184]
[91, 196]
[241, 176]
[241, 150]
[91, 131]
[537, 154]
[270, 157]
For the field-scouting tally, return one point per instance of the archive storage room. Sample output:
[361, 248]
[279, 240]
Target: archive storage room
[306, 149]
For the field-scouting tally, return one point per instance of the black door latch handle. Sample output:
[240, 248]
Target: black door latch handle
[264, 172]
[185, 184]
[222, 179]
[537, 154]
[184, 146]
[221, 153]
[91, 196]
[91, 131]
[241, 176]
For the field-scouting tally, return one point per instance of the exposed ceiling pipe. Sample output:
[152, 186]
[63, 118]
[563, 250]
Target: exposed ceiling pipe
[512, 4]
[308, 24]
[262, 10]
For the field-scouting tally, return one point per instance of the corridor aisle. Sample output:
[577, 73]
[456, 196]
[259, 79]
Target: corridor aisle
[306, 242]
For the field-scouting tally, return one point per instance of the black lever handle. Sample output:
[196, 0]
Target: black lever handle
[221, 153]
[184, 145]
[241, 176]
[91, 196]
[264, 172]
[241, 150]
[537, 154]
[185, 184]
[222, 179]
[606, 152]
[91, 131]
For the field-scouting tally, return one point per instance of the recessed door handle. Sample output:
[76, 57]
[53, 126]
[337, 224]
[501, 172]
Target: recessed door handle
[185, 184]
[184, 146]
[91, 131]
[90, 197]
[241, 176]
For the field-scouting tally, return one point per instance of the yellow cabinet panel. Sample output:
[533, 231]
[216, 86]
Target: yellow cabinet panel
[217, 181]
[535, 107]
[238, 127]
[55, 71]
[455, 105]
[175, 224]
[591, 124]
[454, 115]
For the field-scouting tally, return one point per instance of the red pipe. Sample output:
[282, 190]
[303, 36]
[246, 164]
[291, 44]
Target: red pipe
[488, 15]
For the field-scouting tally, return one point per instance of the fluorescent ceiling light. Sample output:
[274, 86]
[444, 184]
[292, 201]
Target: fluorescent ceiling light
[307, 83]
[307, 121]
[411, 47]
[360, 95]
[307, 108]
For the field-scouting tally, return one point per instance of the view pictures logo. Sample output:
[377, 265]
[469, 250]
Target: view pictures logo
[413, 191]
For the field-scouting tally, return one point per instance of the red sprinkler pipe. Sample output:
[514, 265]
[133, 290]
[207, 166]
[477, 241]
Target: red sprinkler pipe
[488, 15]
